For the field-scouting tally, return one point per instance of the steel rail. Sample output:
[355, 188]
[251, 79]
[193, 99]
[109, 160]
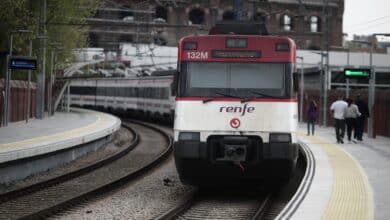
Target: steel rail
[109, 186]
[175, 211]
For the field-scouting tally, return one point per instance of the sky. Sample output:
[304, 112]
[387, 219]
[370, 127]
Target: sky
[365, 17]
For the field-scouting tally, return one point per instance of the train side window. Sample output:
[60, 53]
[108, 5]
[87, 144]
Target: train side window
[166, 93]
[295, 82]
[174, 84]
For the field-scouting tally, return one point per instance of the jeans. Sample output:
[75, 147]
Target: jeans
[359, 128]
[312, 122]
[340, 129]
[351, 125]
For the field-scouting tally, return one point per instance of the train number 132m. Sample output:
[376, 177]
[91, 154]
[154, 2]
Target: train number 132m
[197, 55]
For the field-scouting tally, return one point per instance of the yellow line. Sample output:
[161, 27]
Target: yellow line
[78, 132]
[352, 196]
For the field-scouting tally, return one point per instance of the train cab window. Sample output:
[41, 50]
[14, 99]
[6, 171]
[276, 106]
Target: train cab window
[211, 75]
[235, 79]
[245, 75]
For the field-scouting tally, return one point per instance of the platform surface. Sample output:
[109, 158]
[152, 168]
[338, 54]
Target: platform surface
[63, 130]
[351, 180]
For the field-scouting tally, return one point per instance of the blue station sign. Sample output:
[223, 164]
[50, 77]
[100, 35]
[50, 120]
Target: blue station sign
[22, 62]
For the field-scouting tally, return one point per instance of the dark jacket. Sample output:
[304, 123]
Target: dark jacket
[363, 108]
[312, 113]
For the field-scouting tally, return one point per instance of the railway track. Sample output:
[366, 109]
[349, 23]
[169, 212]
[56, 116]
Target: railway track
[226, 204]
[263, 202]
[148, 148]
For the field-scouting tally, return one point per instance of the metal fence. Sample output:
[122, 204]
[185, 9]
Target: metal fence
[18, 100]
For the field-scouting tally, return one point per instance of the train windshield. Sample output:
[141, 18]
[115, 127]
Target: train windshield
[212, 79]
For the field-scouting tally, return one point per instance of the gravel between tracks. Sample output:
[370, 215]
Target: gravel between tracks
[142, 199]
[121, 138]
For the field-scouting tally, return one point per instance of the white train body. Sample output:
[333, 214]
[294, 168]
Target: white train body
[256, 118]
[144, 95]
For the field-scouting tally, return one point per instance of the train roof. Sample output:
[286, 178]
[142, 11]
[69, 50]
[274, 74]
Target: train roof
[239, 27]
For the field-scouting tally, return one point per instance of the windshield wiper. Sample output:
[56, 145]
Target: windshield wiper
[260, 94]
[265, 95]
[222, 94]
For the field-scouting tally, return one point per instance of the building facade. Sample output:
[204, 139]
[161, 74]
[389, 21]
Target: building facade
[313, 24]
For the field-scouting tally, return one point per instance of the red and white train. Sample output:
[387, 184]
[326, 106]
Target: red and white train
[235, 110]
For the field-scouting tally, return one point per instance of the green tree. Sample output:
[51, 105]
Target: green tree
[27, 14]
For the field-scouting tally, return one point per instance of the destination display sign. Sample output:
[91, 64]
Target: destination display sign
[357, 73]
[236, 53]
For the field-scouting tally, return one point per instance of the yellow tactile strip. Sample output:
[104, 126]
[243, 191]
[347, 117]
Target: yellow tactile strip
[101, 122]
[352, 196]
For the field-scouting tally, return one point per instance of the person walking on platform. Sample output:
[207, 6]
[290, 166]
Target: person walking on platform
[351, 114]
[311, 117]
[360, 121]
[338, 110]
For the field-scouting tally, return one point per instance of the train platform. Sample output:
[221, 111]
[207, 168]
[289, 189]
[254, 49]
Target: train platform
[21, 141]
[349, 181]
[63, 130]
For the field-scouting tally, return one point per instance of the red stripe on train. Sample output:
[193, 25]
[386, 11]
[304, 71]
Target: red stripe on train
[224, 99]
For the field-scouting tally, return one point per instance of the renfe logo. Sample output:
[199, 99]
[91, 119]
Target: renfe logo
[237, 109]
[235, 123]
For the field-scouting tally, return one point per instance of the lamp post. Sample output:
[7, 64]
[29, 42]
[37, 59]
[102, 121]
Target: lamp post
[323, 84]
[301, 91]
[40, 92]
[347, 90]
[7, 106]
[50, 83]
[28, 86]
[348, 50]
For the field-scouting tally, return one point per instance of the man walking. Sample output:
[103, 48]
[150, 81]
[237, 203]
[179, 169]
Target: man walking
[338, 110]
[360, 122]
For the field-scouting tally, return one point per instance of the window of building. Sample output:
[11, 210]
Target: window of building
[161, 14]
[196, 16]
[228, 15]
[315, 24]
[286, 23]
[261, 17]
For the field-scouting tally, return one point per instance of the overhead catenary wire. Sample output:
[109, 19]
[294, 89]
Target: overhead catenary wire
[370, 26]
[370, 21]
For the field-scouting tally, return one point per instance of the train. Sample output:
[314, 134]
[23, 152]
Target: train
[145, 97]
[235, 109]
[233, 103]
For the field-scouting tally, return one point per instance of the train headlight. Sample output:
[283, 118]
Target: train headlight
[189, 136]
[280, 138]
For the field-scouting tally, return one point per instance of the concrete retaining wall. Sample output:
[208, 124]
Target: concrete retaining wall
[22, 168]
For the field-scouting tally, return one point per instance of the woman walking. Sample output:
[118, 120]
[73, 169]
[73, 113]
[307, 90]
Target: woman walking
[350, 115]
[311, 117]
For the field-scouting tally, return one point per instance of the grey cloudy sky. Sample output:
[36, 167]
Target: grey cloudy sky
[366, 17]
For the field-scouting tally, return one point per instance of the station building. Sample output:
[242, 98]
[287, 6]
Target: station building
[166, 21]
